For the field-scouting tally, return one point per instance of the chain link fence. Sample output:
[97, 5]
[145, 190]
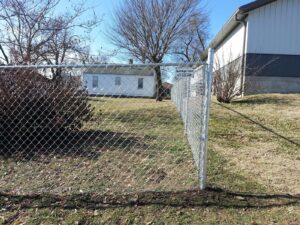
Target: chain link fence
[98, 128]
[191, 95]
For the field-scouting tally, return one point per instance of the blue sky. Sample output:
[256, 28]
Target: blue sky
[219, 12]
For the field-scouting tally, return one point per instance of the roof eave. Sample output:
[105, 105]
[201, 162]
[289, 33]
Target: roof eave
[227, 28]
[254, 5]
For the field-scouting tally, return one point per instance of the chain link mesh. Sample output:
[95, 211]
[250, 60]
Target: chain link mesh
[98, 128]
[190, 95]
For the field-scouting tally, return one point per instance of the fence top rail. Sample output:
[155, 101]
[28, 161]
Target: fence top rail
[109, 65]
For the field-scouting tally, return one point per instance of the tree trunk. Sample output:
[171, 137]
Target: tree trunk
[159, 88]
[57, 74]
[4, 54]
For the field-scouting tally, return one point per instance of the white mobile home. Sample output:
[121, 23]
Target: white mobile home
[120, 81]
[265, 36]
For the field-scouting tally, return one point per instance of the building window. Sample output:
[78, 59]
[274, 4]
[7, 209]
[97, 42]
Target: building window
[118, 81]
[95, 81]
[140, 83]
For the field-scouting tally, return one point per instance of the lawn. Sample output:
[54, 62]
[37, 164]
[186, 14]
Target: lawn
[138, 168]
[129, 145]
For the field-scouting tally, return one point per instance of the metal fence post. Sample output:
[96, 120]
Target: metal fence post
[188, 80]
[181, 98]
[204, 130]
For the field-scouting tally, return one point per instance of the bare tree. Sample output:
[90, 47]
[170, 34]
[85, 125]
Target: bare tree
[148, 28]
[66, 46]
[192, 42]
[25, 25]
[36, 33]
[63, 47]
[99, 58]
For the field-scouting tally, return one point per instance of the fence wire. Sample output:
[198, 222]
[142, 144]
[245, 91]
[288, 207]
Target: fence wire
[100, 129]
[191, 95]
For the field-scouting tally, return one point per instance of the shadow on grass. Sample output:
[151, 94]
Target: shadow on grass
[88, 144]
[212, 197]
[262, 100]
[93, 99]
[261, 125]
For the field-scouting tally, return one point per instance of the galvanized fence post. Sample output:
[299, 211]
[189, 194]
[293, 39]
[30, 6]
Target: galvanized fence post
[181, 98]
[188, 80]
[205, 110]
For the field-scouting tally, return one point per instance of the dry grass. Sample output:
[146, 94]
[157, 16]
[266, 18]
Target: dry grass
[127, 147]
[116, 167]
[260, 136]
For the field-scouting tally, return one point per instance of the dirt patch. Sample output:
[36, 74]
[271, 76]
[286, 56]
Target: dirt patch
[263, 164]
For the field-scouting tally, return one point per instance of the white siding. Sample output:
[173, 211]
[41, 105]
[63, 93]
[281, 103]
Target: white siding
[197, 84]
[231, 48]
[128, 87]
[275, 28]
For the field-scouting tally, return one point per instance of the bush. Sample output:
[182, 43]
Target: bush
[36, 112]
[227, 81]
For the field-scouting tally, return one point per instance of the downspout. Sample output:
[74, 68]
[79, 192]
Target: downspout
[244, 23]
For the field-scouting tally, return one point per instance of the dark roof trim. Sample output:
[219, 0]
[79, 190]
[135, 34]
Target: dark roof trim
[121, 71]
[118, 74]
[232, 23]
[254, 5]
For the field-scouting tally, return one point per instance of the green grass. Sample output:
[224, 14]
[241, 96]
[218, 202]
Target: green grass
[156, 170]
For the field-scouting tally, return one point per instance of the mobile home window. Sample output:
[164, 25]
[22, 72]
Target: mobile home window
[118, 81]
[95, 81]
[140, 83]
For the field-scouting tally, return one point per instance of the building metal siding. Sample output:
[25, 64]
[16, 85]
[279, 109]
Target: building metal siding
[275, 28]
[272, 51]
[231, 48]
[272, 65]
[261, 84]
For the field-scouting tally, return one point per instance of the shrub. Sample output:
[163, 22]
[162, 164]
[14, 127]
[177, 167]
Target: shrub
[227, 81]
[36, 112]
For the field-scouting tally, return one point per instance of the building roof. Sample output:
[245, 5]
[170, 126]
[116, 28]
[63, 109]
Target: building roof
[137, 71]
[167, 85]
[254, 5]
[232, 23]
